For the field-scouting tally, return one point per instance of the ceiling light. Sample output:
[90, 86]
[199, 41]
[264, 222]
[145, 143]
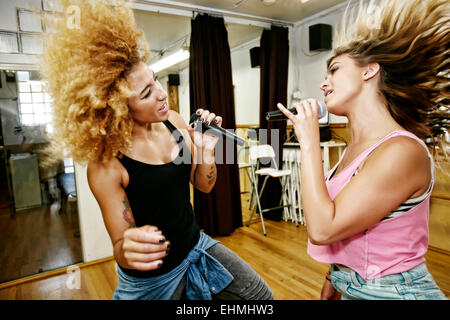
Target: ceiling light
[168, 61]
[304, 1]
[268, 2]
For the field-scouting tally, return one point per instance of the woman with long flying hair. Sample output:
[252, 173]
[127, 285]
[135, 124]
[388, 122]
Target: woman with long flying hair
[389, 75]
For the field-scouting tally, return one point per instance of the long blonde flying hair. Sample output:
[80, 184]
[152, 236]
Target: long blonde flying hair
[410, 39]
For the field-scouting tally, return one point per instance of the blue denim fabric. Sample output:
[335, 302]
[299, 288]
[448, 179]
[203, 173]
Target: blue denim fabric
[414, 284]
[204, 275]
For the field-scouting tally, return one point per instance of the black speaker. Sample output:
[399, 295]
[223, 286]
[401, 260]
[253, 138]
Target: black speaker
[254, 56]
[10, 76]
[174, 79]
[320, 37]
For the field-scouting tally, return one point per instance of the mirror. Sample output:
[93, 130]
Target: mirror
[39, 229]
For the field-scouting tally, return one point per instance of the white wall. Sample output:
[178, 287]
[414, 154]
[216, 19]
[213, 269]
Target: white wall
[307, 69]
[95, 241]
[246, 84]
[183, 95]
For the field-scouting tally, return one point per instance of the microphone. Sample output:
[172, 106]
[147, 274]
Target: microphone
[278, 115]
[216, 130]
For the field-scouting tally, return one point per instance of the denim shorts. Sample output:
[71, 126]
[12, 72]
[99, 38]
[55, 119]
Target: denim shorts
[414, 284]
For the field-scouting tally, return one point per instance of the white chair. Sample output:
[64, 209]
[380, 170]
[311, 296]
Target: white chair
[290, 196]
[246, 166]
[296, 185]
[266, 151]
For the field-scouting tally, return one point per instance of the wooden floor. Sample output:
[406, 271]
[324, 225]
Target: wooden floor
[280, 258]
[38, 240]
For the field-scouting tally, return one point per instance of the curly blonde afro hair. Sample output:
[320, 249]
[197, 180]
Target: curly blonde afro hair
[85, 64]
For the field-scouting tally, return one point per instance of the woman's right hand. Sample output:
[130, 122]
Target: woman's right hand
[329, 292]
[144, 248]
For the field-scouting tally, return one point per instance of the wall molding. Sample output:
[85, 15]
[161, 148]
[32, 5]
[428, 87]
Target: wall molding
[52, 273]
[440, 196]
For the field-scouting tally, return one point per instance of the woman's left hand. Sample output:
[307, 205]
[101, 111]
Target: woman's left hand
[305, 122]
[205, 141]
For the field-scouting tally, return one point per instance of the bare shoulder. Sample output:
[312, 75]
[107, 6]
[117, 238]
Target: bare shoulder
[109, 172]
[404, 150]
[402, 159]
[177, 120]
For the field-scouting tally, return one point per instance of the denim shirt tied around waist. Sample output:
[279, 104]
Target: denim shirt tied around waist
[204, 276]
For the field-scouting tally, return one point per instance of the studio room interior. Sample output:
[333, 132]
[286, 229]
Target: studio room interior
[261, 185]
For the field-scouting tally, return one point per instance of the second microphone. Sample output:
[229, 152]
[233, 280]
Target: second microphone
[216, 130]
[278, 115]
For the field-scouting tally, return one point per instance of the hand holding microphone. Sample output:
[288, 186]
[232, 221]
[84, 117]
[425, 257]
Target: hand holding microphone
[214, 129]
[278, 115]
[282, 114]
[304, 117]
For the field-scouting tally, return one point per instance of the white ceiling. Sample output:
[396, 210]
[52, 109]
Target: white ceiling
[286, 10]
[166, 31]
[163, 30]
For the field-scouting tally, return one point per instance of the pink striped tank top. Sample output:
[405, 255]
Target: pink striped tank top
[390, 246]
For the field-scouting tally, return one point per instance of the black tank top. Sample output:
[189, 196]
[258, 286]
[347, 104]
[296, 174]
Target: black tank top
[159, 195]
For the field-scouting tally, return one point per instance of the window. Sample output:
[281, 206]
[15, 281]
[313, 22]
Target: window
[8, 42]
[29, 21]
[35, 104]
[31, 44]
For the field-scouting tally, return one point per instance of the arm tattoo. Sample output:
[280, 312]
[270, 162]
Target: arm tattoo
[127, 215]
[212, 175]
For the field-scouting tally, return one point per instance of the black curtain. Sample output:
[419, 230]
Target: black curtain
[274, 61]
[211, 87]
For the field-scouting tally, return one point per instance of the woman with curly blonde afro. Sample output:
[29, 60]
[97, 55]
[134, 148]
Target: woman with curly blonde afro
[369, 217]
[111, 112]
